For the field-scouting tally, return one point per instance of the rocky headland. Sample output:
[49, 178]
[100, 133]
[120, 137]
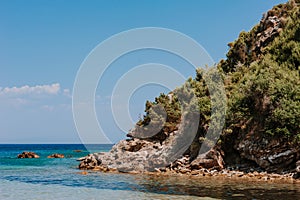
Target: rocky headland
[260, 138]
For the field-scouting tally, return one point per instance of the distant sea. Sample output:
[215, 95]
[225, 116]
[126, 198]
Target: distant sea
[46, 178]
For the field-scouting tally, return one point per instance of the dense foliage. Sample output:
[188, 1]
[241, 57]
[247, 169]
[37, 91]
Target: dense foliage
[267, 91]
[261, 77]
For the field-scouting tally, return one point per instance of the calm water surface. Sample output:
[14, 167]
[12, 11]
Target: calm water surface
[45, 178]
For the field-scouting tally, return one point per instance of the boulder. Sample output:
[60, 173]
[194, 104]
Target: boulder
[271, 154]
[210, 160]
[89, 162]
[26, 154]
[297, 173]
[56, 155]
[298, 166]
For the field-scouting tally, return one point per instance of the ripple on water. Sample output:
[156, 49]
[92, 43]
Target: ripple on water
[18, 190]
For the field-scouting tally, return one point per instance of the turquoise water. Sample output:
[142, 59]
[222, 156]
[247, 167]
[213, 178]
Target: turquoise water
[45, 178]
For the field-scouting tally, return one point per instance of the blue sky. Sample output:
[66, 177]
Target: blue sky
[43, 43]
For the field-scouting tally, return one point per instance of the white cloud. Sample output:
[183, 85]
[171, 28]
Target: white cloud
[38, 89]
[67, 93]
[47, 107]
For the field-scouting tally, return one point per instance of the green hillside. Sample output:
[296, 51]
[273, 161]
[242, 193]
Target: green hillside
[261, 78]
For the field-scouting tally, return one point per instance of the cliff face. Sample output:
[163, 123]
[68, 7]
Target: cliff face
[261, 76]
[264, 96]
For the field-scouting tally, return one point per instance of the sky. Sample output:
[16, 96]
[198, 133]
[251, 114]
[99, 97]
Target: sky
[43, 44]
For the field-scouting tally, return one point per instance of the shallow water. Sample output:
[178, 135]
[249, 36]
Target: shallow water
[45, 178]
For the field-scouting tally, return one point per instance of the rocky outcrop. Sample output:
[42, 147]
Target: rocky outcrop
[250, 47]
[271, 154]
[56, 155]
[28, 155]
[149, 154]
[90, 162]
[137, 155]
[126, 156]
[211, 160]
[269, 28]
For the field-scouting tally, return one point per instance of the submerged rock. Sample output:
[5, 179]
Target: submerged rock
[28, 155]
[56, 155]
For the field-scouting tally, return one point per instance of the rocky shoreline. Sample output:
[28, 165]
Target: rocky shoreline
[208, 173]
[92, 164]
[210, 164]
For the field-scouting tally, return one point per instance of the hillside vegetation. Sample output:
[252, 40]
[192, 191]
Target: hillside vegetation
[261, 77]
[260, 125]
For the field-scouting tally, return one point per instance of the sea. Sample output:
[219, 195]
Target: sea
[46, 178]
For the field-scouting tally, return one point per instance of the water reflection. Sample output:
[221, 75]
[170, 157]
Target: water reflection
[217, 187]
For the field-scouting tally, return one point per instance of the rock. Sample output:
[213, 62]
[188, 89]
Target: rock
[209, 160]
[28, 155]
[298, 166]
[195, 172]
[152, 155]
[89, 162]
[181, 164]
[240, 174]
[297, 173]
[77, 150]
[270, 27]
[184, 170]
[83, 173]
[134, 145]
[273, 155]
[56, 155]
[143, 155]
[81, 159]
